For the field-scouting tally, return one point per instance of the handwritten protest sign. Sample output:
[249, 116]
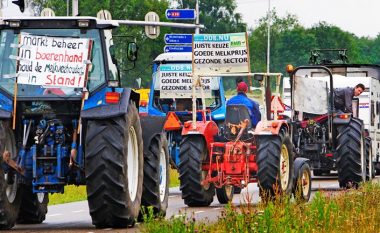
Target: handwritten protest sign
[52, 61]
[220, 53]
[174, 82]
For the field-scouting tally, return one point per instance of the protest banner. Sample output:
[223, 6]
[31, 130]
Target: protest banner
[53, 61]
[220, 53]
[174, 81]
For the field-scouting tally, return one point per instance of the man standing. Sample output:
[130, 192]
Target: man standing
[343, 97]
[241, 98]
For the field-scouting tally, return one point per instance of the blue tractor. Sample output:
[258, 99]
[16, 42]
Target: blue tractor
[180, 107]
[55, 132]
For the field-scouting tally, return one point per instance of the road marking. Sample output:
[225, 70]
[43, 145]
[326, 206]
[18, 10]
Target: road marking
[174, 196]
[53, 215]
[78, 211]
[217, 208]
[198, 212]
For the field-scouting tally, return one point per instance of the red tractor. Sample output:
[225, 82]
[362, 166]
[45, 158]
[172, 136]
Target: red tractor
[238, 154]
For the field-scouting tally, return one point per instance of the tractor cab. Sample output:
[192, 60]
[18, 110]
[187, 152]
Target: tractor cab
[172, 89]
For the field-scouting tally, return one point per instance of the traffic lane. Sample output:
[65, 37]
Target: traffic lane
[70, 217]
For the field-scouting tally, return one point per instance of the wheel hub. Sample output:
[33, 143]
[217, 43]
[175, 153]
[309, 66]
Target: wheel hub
[284, 167]
[163, 172]
[133, 163]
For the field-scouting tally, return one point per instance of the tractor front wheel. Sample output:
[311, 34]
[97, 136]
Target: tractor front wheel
[302, 180]
[33, 206]
[225, 194]
[156, 176]
[114, 169]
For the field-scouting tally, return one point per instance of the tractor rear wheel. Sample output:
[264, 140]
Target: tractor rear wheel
[114, 169]
[225, 194]
[33, 206]
[370, 171]
[10, 190]
[351, 154]
[275, 164]
[156, 176]
[193, 152]
[302, 180]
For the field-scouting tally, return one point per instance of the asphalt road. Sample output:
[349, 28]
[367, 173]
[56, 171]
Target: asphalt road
[74, 217]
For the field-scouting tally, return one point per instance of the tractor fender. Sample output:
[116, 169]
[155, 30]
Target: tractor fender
[270, 127]
[206, 128]
[151, 126]
[298, 162]
[96, 108]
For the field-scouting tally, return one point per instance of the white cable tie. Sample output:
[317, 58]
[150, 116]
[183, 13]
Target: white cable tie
[14, 57]
[8, 76]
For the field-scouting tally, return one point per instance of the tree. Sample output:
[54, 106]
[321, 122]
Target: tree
[218, 16]
[120, 9]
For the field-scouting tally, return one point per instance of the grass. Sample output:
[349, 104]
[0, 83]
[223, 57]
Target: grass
[72, 193]
[345, 211]
[173, 178]
[78, 193]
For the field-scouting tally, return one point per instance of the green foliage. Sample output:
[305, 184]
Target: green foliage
[344, 211]
[72, 193]
[218, 16]
[290, 42]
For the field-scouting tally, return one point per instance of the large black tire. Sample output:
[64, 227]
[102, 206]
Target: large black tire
[193, 152]
[10, 190]
[225, 194]
[370, 168]
[275, 164]
[156, 177]
[114, 169]
[302, 180]
[351, 154]
[33, 207]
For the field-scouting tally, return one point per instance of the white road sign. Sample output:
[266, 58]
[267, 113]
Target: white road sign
[173, 81]
[220, 53]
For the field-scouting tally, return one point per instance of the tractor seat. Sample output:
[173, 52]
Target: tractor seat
[236, 116]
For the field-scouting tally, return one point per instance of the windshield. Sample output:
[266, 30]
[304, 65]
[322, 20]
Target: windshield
[10, 52]
[173, 89]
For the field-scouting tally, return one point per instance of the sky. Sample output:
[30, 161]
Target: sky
[360, 17]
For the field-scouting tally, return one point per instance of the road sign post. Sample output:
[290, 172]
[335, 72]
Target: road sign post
[183, 14]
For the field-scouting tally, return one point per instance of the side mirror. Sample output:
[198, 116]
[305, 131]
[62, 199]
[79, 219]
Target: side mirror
[258, 77]
[132, 51]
